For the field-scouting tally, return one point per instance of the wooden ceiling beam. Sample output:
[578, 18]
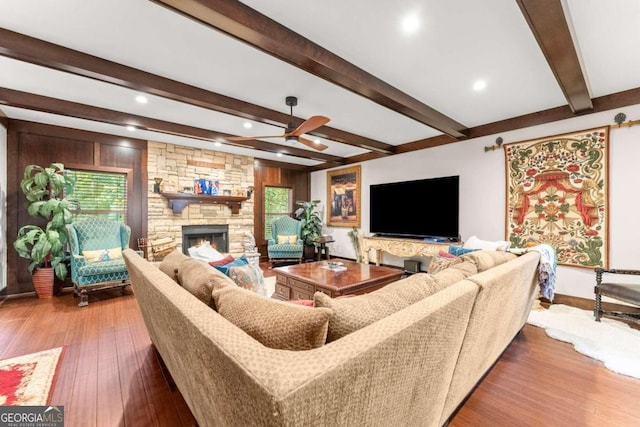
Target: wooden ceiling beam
[46, 104]
[249, 26]
[35, 51]
[551, 25]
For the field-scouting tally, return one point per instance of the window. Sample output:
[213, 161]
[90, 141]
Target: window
[100, 194]
[277, 203]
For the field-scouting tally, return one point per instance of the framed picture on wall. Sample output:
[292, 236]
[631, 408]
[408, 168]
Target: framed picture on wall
[343, 197]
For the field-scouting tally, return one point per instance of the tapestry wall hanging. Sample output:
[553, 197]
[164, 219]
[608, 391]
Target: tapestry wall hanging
[557, 193]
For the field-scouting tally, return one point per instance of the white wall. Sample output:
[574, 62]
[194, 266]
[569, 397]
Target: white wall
[482, 190]
[3, 207]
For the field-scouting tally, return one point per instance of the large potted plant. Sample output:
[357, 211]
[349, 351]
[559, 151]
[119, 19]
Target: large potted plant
[46, 189]
[311, 225]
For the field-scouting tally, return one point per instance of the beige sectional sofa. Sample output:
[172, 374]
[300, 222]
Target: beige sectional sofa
[411, 361]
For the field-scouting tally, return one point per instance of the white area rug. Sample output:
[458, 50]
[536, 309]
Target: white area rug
[270, 284]
[612, 342]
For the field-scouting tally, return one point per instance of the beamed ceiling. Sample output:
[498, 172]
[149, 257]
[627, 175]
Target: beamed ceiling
[210, 68]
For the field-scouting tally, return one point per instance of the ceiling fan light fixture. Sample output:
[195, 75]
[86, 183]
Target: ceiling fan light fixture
[291, 138]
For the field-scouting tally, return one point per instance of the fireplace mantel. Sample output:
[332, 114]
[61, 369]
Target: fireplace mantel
[178, 201]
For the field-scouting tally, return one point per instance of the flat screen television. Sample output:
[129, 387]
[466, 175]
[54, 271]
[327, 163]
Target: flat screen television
[416, 209]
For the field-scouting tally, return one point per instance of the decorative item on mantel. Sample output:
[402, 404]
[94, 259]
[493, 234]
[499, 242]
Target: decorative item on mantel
[156, 186]
[250, 248]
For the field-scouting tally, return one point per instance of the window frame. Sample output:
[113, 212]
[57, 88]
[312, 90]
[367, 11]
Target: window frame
[291, 191]
[128, 172]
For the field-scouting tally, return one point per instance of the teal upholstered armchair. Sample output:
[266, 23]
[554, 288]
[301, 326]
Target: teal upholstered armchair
[285, 244]
[96, 246]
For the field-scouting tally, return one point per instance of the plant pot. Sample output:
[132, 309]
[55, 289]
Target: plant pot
[43, 282]
[309, 253]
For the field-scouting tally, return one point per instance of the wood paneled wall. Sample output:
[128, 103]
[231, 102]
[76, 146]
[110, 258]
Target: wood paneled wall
[267, 173]
[35, 143]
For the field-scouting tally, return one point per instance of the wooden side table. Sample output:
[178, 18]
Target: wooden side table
[321, 244]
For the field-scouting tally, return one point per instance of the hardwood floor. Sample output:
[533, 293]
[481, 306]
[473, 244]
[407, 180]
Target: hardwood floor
[110, 375]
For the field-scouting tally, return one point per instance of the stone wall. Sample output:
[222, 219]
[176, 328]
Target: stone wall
[181, 166]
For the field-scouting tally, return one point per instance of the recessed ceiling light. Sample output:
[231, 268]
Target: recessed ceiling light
[479, 85]
[217, 143]
[410, 23]
[316, 141]
[247, 125]
[279, 154]
[141, 99]
[131, 128]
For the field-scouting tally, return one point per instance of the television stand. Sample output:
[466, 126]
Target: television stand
[399, 247]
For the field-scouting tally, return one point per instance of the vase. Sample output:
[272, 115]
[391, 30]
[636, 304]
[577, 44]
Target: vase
[43, 282]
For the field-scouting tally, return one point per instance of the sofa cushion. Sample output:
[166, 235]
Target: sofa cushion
[486, 259]
[351, 314]
[169, 265]
[199, 278]
[249, 276]
[275, 324]
[457, 272]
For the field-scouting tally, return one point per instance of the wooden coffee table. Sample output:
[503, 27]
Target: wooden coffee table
[301, 281]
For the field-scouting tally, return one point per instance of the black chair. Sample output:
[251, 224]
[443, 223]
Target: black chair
[626, 292]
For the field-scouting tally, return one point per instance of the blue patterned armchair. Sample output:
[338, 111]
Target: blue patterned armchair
[285, 244]
[96, 246]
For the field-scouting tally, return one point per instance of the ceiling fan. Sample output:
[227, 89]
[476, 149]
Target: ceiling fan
[292, 133]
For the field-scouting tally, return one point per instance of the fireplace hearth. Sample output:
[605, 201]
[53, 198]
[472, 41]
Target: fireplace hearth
[216, 234]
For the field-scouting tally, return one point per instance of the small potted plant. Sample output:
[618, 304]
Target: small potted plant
[46, 189]
[311, 225]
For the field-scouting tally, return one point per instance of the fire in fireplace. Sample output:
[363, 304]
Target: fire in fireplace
[216, 234]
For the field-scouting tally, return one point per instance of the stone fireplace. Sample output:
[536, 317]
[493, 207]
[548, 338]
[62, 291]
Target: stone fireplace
[180, 166]
[216, 234]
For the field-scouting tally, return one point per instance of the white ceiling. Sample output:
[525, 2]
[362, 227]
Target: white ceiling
[456, 43]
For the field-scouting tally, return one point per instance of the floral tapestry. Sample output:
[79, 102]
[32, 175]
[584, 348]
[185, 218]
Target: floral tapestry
[557, 193]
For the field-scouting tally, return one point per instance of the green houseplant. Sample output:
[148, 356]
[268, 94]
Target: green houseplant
[46, 189]
[311, 224]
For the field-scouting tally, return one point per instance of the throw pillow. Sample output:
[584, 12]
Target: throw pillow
[351, 314]
[169, 265]
[459, 250]
[249, 276]
[444, 254]
[102, 254]
[474, 243]
[205, 252]
[287, 239]
[438, 263]
[275, 324]
[200, 278]
[224, 269]
[224, 261]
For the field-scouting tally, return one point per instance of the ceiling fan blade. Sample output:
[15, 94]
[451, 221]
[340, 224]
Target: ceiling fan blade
[311, 144]
[310, 124]
[249, 138]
